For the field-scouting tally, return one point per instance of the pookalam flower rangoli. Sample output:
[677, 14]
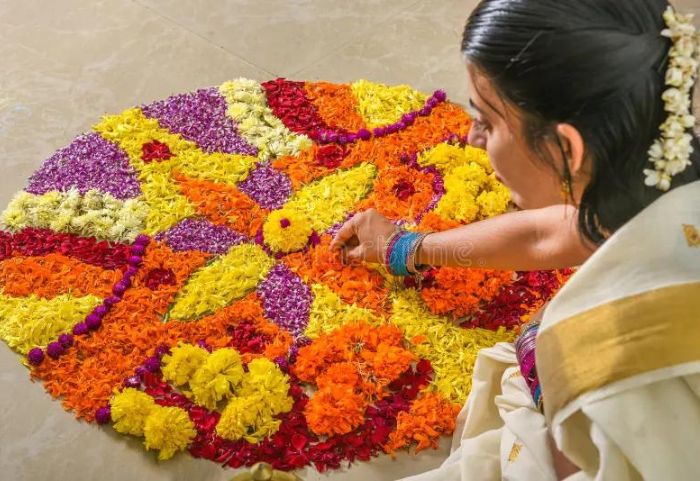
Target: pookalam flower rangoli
[169, 273]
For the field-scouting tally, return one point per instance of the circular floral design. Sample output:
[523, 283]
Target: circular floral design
[169, 274]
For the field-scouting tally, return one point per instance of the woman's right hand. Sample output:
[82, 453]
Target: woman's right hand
[363, 237]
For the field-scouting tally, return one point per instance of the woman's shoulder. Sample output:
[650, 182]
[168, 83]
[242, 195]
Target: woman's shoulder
[660, 247]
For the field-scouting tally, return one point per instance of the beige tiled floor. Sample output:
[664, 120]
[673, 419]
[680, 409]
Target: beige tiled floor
[65, 62]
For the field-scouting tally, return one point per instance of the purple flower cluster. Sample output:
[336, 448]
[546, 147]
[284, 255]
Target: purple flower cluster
[269, 187]
[286, 299]
[201, 235]
[89, 162]
[201, 117]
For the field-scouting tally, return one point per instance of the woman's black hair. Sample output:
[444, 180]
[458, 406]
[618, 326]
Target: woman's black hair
[598, 65]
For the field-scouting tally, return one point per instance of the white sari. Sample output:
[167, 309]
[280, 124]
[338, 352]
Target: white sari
[618, 358]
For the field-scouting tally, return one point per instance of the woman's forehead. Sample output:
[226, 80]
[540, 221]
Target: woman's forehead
[482, 92]
[485, 97]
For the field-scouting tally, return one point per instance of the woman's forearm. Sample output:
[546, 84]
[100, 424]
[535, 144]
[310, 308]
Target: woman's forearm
[536, 239]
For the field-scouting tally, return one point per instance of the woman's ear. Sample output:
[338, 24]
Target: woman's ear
[572, 142]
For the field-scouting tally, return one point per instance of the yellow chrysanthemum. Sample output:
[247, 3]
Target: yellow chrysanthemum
[180, 365]
[329, 312]
[381, 104]
[330, 199]
[265, 379]
[169, 430]
[217, 377]
[286, 230]
[27, 322]
[224, 280]
[130, 409]
[247, 418]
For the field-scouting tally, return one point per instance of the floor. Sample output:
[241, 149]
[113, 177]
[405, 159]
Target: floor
[65, 62]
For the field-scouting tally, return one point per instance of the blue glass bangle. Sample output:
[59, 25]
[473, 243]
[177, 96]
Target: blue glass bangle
[399, 254]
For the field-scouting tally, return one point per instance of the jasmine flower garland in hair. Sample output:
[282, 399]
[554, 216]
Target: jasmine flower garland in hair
[670, 154]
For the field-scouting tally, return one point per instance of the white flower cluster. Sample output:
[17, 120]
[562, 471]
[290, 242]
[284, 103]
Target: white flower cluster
[670, 153]
[247, 105]
[94, 214]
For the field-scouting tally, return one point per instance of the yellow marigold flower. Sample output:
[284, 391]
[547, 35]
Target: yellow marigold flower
[286, 230]
[495, 201]
[247, 418]
[263, 394]
[479, 156]
[265, 379]
[472, 191]
[217, 377]
[168, 429]
[446, 157]
[443, 156]
[130, 409]
[182, 362]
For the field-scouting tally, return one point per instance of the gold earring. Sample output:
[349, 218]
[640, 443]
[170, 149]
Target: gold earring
[565, 191]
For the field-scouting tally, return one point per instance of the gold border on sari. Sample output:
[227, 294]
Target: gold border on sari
[624, 338]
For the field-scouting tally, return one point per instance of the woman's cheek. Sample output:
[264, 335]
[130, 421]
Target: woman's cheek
[496, 157]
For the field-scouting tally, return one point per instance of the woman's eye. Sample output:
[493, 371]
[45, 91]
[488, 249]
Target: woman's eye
[480, 124]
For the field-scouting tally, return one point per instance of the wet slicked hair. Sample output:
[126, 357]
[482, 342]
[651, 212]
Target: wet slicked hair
[598, 65]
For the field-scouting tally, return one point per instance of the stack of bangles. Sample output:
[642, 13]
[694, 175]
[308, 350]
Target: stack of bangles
[400, 253]
[525, 354]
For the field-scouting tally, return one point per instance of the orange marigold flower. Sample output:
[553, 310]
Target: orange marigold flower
[354, 284]
[458, 292]
[335, 410]
[429, 417]
[342, 373]
[223, 204]
[388, 362]
[400, 192]
[336, 104]
[55, 274]
[434, 222]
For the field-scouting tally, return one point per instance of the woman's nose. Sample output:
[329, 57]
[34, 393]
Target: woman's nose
[476, 137]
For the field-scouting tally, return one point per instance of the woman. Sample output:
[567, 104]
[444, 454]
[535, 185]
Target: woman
[587, 102]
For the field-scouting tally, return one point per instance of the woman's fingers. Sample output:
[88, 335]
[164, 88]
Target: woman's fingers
[344, 234]
[356, 254]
